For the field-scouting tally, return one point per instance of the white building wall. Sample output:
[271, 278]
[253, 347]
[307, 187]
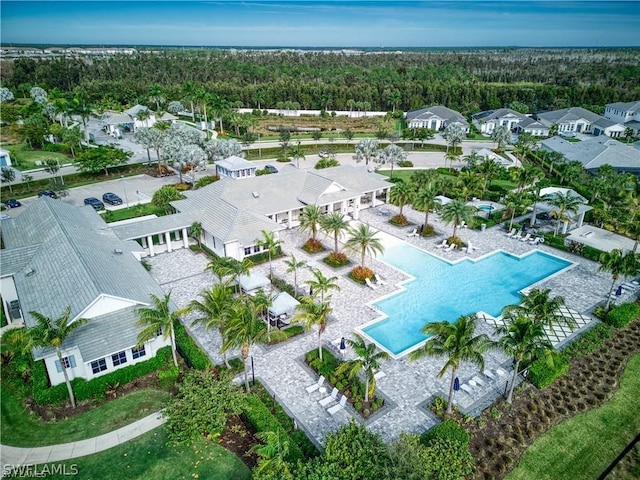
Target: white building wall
[9, 294]
[106, 304]
[78, 371]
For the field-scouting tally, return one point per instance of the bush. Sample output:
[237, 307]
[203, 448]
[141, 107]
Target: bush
[541, 375]
[313, 246]
[622, 315]
[336, 260]
[263, 257]
[457, 241]
[97, 387]
[326, 163]
[193, 356]
[450, 430]
[399, 221]
[56, 147]
[591, 340]
[204, 181]
[428, 231]
[360, 274]
[283, 286]
[405, 163]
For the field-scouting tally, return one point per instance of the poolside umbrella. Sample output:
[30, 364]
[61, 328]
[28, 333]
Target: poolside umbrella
[456, 384]
[619, 290]
[343, 346]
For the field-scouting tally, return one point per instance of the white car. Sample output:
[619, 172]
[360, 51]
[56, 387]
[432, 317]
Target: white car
[323, 154]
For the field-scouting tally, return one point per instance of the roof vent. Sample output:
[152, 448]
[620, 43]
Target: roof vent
[117, 251]
[29, 272]
[255, 194]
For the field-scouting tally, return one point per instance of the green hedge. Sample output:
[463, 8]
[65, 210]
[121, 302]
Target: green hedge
[263, 257]
[541, 375]
[449, 429]
[622, 315]
[591, 340]
[193, 356]
[97, 387]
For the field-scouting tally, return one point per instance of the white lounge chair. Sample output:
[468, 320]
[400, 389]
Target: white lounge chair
[316, 386]
[380, 280]
[489, 374]
[466, 388]
[512, 232]
[526, 238]
[379, 374]
[451, 248]
[329, 398]
[413, 233]
[443, 244]
[473, 383]
[501, 372]
[463, 224]
[479, 381]
[370, 285]
[535, 241]
[517, 236]
[339, 406]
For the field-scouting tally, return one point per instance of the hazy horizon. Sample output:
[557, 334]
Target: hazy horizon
[323, 24]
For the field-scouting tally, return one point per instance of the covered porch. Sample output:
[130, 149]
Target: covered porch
[157, 235]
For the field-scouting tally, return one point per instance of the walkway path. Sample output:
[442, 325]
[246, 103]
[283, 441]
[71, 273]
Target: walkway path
[66, 451]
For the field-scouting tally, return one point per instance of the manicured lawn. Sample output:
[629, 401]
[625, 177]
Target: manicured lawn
[583, 446]
[148, 457]
[131, 212]
[20, 429]
[27, 158]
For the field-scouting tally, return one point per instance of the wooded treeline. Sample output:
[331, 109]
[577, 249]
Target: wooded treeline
[468, 81]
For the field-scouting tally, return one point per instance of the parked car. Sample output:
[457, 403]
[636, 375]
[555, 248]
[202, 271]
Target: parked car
[111, 199]
[94, 202]
[47, 193]
[12, 203]
[323, 154]
[4, 216]
[271, 169]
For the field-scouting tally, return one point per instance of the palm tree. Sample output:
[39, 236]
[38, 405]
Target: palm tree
[273, 453]
[392, 154]
[245, 329]
[400, 195]
[155, 95]
[456, 342]
[426, 199]
[292, 266]
[423, 178]
[526, 176]
[566, 205]
[53, 333]
[489, 169]
[541, 308]
[238, 268]
[618, 264]
[321, 284]
[468, 184]
[366, 149]
[522, 339]
[213, 310]
[334, 224]
[158, 318]
[310, 220]
[453, 133]
[363, 240]
[311, 313]
[368, 361]
[221, 267]
[196, 232]
[515, 202]
[271, 244]
[143, 115]
[457, 211]
[452, 156]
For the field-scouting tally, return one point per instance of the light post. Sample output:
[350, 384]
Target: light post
[124, 189]
[59, 172]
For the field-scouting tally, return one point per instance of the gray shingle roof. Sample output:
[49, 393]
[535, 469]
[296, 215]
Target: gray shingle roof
[489, 115]
[568, 115]
[437, 111]
[235, 163]
[597, 151]
[153, 226]
[16, 259]
[625, 106]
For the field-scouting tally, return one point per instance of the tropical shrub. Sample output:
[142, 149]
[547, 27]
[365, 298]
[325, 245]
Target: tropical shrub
[405, 163]
[591, 340]
[204, 181]
[428, 231]
[326, 163]
[542, 375]
[192, 354]
[448, 429]
[336, 260]
[168, 377]
[283, 285]
[621, 315]
[360, 274]
[457, 241]
[399, 221]
[313, 246]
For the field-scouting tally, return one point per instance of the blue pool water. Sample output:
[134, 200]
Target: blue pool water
[442, 291]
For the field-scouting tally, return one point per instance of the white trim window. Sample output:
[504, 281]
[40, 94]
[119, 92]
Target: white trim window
[98, 366]
[138, 352]
[68, 362]
[119, 358]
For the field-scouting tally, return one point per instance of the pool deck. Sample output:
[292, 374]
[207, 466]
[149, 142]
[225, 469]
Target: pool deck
[406, 386]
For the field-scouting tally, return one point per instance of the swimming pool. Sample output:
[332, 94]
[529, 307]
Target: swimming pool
[485, 208]
[445, 291]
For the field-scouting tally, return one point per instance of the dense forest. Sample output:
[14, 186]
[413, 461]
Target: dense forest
[465, 80]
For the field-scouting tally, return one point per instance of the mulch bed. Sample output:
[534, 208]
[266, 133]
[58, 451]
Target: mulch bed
[498, 443]
[238, 437]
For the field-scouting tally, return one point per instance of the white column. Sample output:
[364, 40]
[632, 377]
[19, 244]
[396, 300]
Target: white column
[345, 207]
[185, 238]
[373, 198]
[144, 242]
[386, 192]
[356, 209]
[150, 242]
[289, 219]
[565, 226]
[581, 219]
[167, 236]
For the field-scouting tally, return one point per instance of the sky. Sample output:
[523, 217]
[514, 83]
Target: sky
[327, 23]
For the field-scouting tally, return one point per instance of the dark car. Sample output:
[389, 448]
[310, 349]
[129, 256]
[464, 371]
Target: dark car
[271, 169]
[12, 203]
[111, 199]
[47, 193]
[94, 202]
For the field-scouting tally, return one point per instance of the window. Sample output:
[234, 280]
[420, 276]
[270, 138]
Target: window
[99, 365]
[68, 362]
[256, 249]
[159, 332]
[247, 251]
[119, 358]
[138, 352]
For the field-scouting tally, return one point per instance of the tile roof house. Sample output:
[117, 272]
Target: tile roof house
[595, 152]
[435, 118]
[578, 120]
[628, 114]
[130, 119]
[486, 122]
[59, 256]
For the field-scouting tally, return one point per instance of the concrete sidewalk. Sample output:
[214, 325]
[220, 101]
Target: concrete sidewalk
[66, 451]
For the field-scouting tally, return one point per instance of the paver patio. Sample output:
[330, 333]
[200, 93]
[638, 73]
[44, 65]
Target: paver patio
[406, 385]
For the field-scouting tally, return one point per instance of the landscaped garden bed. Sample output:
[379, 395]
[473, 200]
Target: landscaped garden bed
[336, 260]
[313, 246]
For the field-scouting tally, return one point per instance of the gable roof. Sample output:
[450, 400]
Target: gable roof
[135, 110]
[625, 106]
[69, 258]
[235, 163]
[489, 115]
[597, 151]
[437, 111]
[568, 115]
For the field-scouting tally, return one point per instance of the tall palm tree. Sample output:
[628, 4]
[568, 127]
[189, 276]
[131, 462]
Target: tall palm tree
[363, 240]
[515, 202]
[392, 154]
[334, 224]
[566, 205]
[271, 244]
[292, 266]
[457, 211]
[423, 178]
[425, 199]
[452, 156]
[366, 149]
[368, 362]
[468, 184]
[239, 268]
[158, 317]
[453, 133]
[541, 308]
[311, 313]
[221, 268]
[213, 310]
[143, 116]
[401, 194]
[455, 342]
[53, 333]
[310, 220]
[526, 176]
[245, 329]
[618, 264]
[273, 453]
[321, 284]
[522, 339]
[489, 169]
[196, 232]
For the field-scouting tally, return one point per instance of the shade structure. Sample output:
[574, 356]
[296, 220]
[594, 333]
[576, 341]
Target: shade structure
[253, 281]
[456, 384]
[283, 304]
[619, 290]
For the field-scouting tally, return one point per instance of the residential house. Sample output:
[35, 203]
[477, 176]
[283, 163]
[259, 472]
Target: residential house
[235, 167]
[595, 152]
[570, 120]
[435, 118]
[59, 256]
[532, 127]
[628, 114]
[486, 122]
[129, 120]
